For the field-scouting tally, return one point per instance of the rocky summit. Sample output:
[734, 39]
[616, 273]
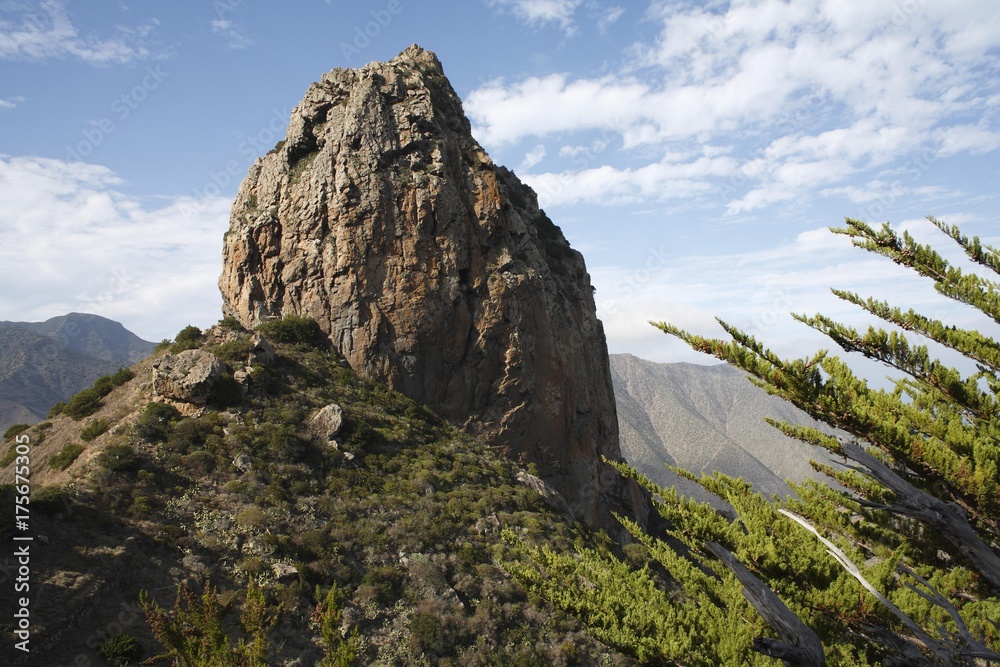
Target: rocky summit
[431, 269]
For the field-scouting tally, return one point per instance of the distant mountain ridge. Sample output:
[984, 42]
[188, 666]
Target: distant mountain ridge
[705, 418]
[45, 362]
[92, 335]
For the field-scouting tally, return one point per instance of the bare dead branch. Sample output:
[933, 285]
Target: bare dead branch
[945, 518]
[973, 647]
[799, 645]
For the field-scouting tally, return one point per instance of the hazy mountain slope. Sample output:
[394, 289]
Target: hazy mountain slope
[705, 418]
[35, 373]
[14, 413]
[45, 362]
[92, 335]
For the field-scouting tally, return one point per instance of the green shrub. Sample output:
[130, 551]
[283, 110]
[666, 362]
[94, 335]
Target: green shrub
[163, 345]
[470, 556]
[193, 631]
[9, 455]
[103, 385]
[83, 404]
[187, 338]
[140, 506]
[236, 486]
[56, 409]
[341, 651]
[66, 456]
[427, 632]
[294, 329]
[233, 350]
[190, 435]
[253, 517]
[154, 422]
[119, 458]
[121, 376]
[88, 401]
[95, 428]
[50, 500]
[15, 430]
[231, 323]
[387, 583]
[121, 649]
[198, 463]
[253, 566]
[228, 392]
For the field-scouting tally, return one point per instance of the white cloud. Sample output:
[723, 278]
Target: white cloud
[541, 12]
[879, 191]
[660, 181]
[235, 39]
[546, 105]
[975, 139]
[821, 92]
[71, 240]
[532, 158]
[10, 102]
[757, 292]
[48, 32]
[609, 17]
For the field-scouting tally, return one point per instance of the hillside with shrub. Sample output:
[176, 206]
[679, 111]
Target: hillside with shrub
[381, 546]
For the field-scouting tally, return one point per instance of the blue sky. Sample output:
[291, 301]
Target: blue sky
[695, 152]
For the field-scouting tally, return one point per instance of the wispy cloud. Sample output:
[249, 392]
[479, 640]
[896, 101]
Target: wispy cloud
[812, 93]
[46, 31]
[10, 102]
[532, 158]
[542, 12]
[758, 291]
[661, 181]
[609, 17]
[235, 38]
[72, 240]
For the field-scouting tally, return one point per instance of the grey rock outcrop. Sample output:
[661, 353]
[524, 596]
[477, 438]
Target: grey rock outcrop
[187, 378]
[431, 269]
[328, 421]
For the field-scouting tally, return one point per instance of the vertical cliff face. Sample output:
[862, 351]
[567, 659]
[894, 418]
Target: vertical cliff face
[431, 269]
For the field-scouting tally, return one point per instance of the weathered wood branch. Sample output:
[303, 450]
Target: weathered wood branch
[949, 650]
[854, 571]
[967, 644]
[948, 519]
[799, 645]
[908, 653]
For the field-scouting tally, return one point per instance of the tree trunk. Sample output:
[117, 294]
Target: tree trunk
[799, 646]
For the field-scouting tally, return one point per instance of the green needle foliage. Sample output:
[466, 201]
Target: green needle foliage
[925, 462]
[195, 636]
[898, 566]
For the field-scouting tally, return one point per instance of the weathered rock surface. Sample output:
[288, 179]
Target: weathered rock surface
[431, 269]
[187, 378]
[328, 421]
[261, 352]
